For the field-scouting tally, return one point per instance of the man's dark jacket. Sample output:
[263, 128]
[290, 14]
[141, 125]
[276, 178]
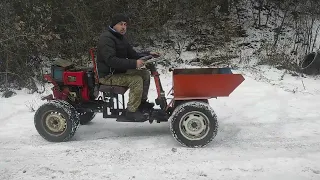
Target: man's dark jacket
[114, 54]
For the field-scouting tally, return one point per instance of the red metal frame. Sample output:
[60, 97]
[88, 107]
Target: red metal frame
[157, 82]
[56, 91]
[50, 79]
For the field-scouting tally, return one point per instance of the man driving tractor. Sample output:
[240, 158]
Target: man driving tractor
[118, 64]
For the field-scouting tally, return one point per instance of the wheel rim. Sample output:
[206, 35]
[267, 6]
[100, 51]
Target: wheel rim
[194, 125]
[55, 123]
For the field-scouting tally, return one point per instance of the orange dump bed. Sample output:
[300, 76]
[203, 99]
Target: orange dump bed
[204, 83]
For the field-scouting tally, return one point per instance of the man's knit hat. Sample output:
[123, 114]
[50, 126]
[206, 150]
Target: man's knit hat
[118, 18]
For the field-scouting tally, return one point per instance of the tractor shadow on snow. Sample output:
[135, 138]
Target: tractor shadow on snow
[114, 130]
[99, 129]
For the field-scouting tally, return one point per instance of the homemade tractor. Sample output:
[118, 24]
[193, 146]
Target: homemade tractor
[77, 97]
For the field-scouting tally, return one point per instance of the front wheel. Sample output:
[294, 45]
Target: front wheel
[56, 121]
[194, 124]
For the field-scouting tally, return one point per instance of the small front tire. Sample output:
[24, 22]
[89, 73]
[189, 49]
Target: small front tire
[194, 124]
[56, 121]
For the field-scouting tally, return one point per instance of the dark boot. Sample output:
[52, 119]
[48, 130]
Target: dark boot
[145, 105]
[135, 116]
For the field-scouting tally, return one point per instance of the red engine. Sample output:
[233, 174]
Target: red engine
[75, 84]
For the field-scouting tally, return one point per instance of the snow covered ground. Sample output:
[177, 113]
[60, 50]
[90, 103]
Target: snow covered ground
[269, 129]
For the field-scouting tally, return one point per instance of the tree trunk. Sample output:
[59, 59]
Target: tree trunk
[259, 13]
[224, 6]
[279, 29]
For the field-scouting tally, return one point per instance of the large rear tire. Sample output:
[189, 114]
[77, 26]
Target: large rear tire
[56, 121]
[194, 124]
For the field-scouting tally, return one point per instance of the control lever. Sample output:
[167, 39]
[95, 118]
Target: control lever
[149, 59]
[145, 58]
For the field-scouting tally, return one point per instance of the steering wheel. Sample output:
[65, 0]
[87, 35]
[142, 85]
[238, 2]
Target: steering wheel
[150, 59]
[146, 58]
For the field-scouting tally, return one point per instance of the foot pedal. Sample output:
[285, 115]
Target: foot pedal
[159, 115]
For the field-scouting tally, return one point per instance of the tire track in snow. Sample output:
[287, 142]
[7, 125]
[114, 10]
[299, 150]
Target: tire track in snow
[271, 135]
[16, 111]
[5, 119]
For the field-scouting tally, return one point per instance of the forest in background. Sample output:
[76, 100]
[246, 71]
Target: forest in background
[34, 32]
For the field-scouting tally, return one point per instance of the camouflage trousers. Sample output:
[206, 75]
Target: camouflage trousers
[138, 82]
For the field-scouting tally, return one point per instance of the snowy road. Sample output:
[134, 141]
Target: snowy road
[265, 132]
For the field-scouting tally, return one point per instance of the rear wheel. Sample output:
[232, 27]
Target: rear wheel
[86, 117]
[194, 124]
[56, 121]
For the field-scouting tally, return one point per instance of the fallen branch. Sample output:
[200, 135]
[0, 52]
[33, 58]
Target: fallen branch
[303, 84]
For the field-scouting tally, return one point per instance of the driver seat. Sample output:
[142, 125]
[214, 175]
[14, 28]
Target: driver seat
[108, 91]
[105, 88]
